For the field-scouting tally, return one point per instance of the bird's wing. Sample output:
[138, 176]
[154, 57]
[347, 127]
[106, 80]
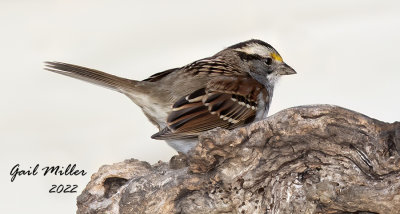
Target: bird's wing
[158, 76]
[211, 66]
[225, 102]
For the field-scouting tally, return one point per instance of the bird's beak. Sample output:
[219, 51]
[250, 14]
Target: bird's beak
[285, 69]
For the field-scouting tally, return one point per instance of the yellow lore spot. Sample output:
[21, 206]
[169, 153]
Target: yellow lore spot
[276, 57]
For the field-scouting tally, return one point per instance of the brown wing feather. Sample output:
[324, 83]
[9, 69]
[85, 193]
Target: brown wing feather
[158, 76]
[211, 66]
[226, 102]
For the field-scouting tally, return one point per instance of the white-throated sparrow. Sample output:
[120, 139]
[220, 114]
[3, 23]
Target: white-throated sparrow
[232, 88]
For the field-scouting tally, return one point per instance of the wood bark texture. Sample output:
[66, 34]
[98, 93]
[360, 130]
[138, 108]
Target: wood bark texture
[307, 159]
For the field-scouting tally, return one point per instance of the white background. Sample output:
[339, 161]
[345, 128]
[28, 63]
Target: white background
[345, 53]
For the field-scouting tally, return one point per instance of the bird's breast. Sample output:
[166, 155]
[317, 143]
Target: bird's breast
[264, 101]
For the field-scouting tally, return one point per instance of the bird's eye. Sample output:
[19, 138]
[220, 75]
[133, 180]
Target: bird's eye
[268, 61]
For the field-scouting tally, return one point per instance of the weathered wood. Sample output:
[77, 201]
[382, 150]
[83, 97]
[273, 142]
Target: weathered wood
[308, 159]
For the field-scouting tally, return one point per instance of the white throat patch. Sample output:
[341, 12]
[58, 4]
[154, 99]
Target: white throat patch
[273, 79]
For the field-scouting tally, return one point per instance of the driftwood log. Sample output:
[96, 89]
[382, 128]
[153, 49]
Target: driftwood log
[308, 159]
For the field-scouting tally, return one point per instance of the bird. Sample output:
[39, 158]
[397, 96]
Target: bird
[230, 89]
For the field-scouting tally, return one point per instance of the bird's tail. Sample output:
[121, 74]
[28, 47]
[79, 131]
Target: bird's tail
[91, 75]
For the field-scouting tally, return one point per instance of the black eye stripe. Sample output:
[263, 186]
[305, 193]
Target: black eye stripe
[247, 57]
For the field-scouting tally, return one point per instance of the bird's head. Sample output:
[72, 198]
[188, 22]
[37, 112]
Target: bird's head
[261, 61]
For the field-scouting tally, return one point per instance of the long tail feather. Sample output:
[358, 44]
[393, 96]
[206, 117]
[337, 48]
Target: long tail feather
[91, 75]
